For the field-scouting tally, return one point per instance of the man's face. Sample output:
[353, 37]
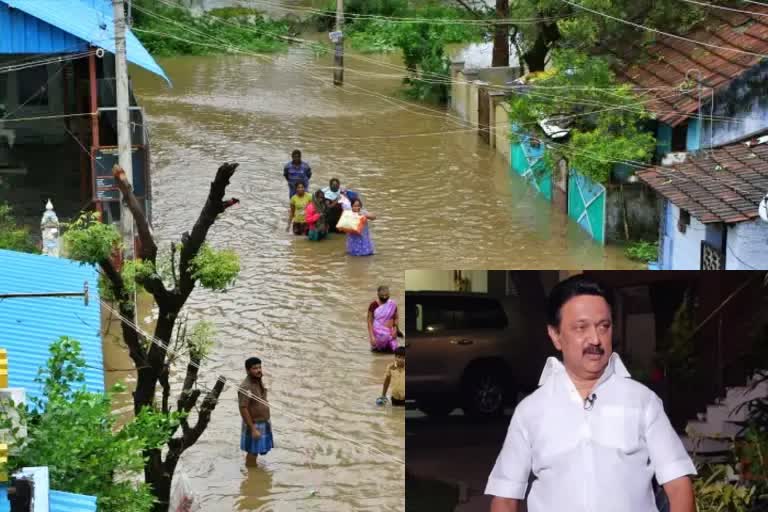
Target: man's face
[384, 295]
[255, 371]
[335, 185]
[400, 361]
[584, 335]
[296, 157]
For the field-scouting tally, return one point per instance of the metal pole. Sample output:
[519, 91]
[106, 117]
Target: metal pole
[123, 121]
[83, 294]
[338, 59]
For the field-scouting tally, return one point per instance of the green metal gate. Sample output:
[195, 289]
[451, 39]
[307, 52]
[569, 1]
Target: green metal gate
[586, 204]
[528, 162]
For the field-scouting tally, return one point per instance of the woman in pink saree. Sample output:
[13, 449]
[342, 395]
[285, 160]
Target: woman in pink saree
[382, 322]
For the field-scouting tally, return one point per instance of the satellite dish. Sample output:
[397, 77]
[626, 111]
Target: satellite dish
[763, 208]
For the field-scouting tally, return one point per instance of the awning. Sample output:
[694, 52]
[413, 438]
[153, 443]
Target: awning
[88, 23]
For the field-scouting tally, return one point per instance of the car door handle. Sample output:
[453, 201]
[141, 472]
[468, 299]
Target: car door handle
[463, 341]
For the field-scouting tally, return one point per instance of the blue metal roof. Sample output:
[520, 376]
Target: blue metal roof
[28, 326]
[58, 501]
[69, 26]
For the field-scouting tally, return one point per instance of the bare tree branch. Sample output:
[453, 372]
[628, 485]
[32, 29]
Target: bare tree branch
[130, 336]
[177, 445]
[148, 246]
[193, 241]
[166, 388]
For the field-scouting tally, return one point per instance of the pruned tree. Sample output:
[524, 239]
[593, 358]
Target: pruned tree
[170, 279]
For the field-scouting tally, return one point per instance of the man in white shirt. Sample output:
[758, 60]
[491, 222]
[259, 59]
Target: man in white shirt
[592, 437]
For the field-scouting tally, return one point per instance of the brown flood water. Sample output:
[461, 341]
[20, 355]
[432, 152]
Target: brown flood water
[444, 201]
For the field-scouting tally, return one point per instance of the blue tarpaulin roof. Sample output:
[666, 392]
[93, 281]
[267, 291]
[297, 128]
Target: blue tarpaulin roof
[28, 326]
[89, 21]
[57, 501]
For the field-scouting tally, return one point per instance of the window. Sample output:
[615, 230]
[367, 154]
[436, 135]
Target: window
[684, 221]
[33, 86]
[451, 314]
[679, 138]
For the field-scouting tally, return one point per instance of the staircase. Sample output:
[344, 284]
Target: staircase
[710, 437]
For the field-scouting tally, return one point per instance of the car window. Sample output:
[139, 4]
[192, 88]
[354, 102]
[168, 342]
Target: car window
[460, 313]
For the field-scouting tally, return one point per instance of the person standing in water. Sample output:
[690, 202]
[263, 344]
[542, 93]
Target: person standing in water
[395, 376]
[382, 322]
[360, 245]
[299, 204]
[333, 197]
[316, 214]
[296, 171]
[256, 434]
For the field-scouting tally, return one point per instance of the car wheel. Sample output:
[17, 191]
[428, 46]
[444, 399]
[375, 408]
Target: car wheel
[436, 409]
[485, 393]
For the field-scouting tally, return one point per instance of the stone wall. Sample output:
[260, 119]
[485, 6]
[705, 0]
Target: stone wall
[642, 212]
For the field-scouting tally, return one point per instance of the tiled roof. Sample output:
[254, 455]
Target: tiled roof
[28, 326]
[57, 501]
[724, 187]
[666, 62]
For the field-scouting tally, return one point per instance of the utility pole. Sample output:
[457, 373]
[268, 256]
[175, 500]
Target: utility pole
[338, 59]
[125, 157]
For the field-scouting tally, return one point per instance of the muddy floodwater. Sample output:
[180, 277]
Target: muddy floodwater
[444, 200]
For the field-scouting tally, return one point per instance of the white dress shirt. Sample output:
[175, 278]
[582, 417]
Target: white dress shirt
[600, 459]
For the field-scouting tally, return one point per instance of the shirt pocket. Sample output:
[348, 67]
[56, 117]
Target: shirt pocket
[618, 427]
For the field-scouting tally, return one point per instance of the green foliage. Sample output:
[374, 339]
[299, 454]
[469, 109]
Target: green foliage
[605, 117]
[422, 44]
[216, 270]
[12, 236]
[352, 8]
[677, 345]
[642, 251]
[716, 492]
[201, 340]
[89, 240]
[133, 272]
[73, 432]
[169, 31]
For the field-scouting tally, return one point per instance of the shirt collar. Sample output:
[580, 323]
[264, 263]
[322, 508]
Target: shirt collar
[554, 367]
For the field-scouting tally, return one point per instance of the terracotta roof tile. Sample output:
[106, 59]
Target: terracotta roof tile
[665, 62]
[724, 186]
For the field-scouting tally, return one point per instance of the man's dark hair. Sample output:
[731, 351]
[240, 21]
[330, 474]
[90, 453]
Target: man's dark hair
[334, 179]
[400, 351]
[382, 288]
[251, 362]
[296, 152]
[570, 288]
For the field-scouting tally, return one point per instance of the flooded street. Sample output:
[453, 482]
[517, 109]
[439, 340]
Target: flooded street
[444, 200]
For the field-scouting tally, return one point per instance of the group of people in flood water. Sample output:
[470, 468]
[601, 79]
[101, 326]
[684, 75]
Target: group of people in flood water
[315, 216]
[332, 209]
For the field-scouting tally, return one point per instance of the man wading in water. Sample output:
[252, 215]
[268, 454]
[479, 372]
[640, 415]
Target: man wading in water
[256, 435]
[296, 172]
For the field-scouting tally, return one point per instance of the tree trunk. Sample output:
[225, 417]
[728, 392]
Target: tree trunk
[160, 480]
[536, 57]
[501, 36]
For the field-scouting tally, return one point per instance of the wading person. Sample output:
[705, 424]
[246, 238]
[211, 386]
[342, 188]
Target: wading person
[592, 437]
[334, 199]
[316, 214]
[296, 171]
[360, 245]
[382, 322]
[256, 435]
[395, 377]
[299, 204]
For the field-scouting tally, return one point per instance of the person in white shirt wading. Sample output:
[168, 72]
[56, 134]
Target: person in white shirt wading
[590, 436]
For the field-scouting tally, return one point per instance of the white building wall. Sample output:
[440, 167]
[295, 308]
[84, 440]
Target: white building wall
[686, 247]
[747, 246]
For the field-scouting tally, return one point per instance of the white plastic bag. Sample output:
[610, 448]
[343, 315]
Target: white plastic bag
[183, 499]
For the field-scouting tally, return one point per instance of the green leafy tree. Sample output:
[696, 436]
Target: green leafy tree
[170, 277]
[13, 236]
[73, 432]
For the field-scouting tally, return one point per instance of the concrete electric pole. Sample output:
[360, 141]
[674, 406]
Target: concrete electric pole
[125, 156]
[338, 38]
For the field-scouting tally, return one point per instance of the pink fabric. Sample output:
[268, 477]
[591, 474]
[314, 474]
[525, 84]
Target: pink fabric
[382, 333]
[311, 215]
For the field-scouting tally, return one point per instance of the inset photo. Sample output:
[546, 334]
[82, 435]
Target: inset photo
[575, 391]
